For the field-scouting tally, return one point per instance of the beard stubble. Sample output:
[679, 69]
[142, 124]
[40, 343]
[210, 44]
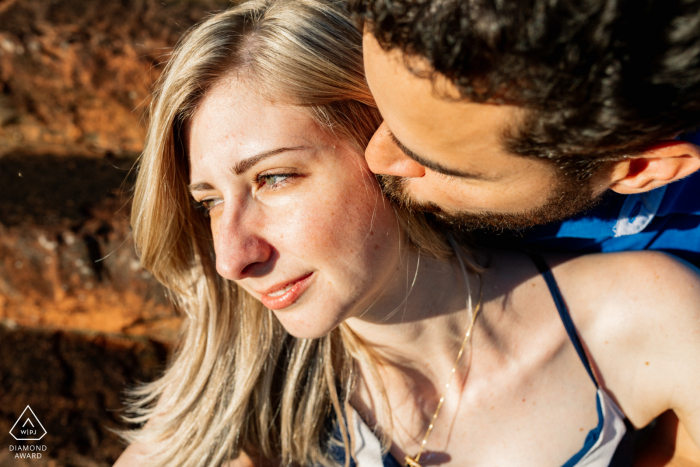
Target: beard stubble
[571, 196]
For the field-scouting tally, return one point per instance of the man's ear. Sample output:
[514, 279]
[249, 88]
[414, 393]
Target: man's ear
[657, 166]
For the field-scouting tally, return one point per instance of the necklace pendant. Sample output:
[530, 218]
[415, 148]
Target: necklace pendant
[411, 463]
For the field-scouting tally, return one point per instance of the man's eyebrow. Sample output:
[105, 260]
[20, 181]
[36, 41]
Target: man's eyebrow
[437, 167]
[246, 164]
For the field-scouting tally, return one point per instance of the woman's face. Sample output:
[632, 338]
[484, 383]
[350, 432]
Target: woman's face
[297, 219]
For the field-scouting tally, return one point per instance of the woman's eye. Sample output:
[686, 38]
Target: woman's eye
[207, 205]
[272, 180]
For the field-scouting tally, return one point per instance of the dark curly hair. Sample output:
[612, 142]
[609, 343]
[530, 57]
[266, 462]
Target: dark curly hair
[602, 79]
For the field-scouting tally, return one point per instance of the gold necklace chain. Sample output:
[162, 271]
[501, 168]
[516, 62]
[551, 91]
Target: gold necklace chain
[414, 462]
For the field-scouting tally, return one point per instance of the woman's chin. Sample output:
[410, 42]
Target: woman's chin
[305, 327]
[307, 334]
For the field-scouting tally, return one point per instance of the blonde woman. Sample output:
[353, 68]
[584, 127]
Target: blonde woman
[326, 327]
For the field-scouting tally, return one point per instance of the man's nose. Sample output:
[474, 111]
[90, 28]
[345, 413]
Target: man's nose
[240, 251]
[385, 157]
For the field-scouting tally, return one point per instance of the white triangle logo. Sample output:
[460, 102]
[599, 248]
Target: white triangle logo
[28, 427]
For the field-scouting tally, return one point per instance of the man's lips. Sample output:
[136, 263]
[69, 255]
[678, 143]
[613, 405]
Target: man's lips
[282, 295]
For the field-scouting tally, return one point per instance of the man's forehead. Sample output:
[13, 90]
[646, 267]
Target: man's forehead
[397, 63]
[406, 87]
[427, 115]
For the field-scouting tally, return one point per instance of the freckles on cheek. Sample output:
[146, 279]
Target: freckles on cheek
[334, 221]
[330, 227]
[317, 229]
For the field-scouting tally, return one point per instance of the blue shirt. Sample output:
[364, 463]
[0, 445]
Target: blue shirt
[666, 219]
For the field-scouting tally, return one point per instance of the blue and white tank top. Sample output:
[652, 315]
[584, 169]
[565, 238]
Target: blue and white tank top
[609, 444]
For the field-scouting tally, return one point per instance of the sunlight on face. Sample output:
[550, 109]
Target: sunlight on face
[463, 163]
[297, 219]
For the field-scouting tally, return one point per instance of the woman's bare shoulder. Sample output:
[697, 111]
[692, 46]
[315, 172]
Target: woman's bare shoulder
[629, 282]
[638, 314]
[601, 288]
[633, 298]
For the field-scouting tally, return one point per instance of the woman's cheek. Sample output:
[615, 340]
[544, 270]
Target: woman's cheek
[214, 226]
[319, 228]
[361, 224]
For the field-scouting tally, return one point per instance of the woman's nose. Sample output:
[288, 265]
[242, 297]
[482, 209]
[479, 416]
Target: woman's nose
[385, 157]
[240, 252]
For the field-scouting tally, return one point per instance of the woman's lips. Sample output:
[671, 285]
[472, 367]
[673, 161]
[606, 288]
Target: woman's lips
[287, 294]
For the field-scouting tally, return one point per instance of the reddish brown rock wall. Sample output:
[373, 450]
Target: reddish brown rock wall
[71, 381]
[79, 318]
[66, 256]
[75, 75]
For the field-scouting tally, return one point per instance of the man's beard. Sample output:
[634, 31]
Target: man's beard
[570, 197]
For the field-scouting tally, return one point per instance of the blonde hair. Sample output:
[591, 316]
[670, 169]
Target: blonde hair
[237, 381]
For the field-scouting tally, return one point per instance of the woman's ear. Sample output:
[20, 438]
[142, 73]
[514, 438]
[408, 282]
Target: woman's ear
[657, 166]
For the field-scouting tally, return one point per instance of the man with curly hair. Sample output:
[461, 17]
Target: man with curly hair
[512, 114]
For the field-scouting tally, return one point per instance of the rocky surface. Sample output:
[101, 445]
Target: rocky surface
[75, 75]
[66, 256]
[73, 383]
[79, 318]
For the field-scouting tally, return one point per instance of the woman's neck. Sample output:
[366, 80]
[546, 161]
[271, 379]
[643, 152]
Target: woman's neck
[418, 324]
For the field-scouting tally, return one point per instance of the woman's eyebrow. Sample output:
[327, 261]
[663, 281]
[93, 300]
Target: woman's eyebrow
[200, 186]
[246, 164]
